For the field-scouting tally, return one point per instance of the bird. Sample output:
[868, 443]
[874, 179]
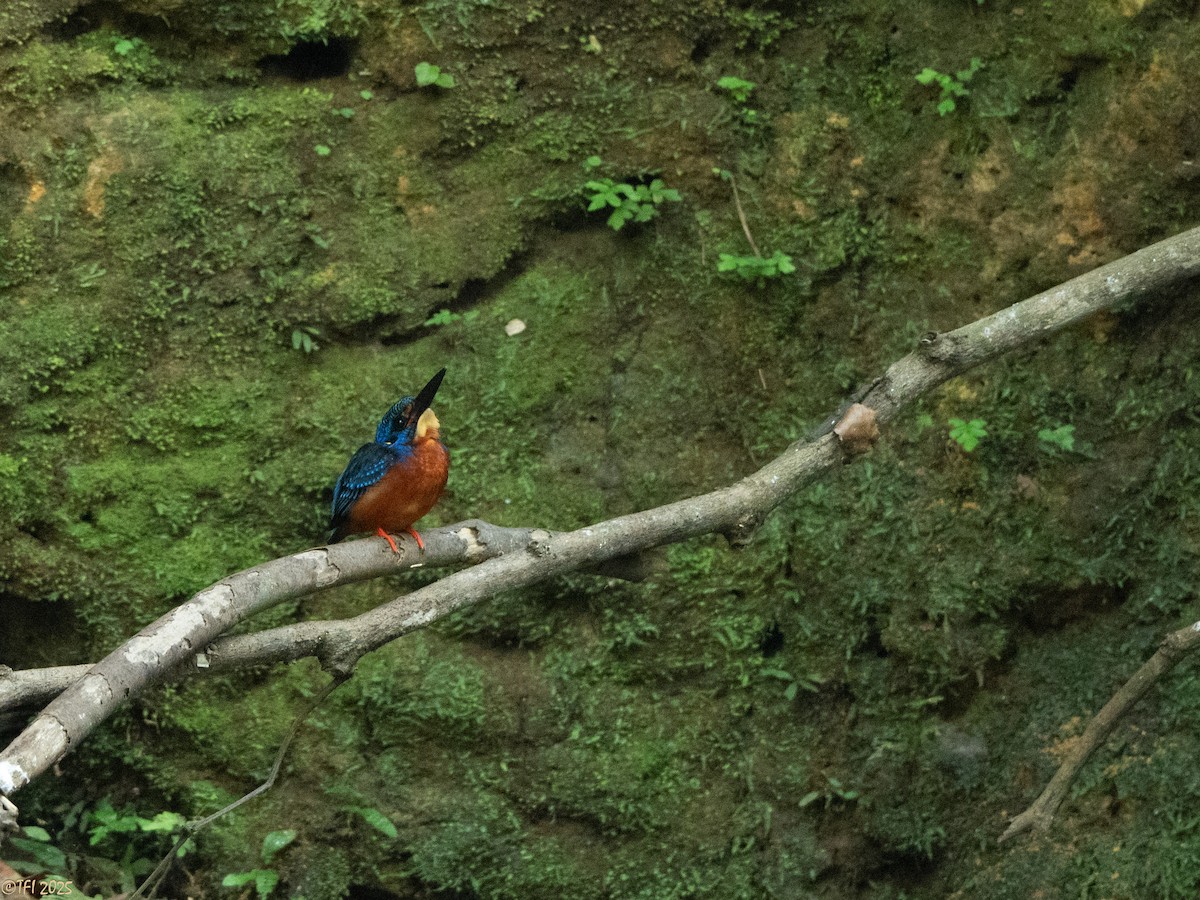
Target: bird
[393, 481]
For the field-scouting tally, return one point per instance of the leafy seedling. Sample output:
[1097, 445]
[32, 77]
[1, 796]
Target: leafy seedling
[429, 75]
[952, 85]
[967, 434]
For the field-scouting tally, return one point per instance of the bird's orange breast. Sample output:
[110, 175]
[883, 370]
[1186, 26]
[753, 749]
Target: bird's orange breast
[407, 492]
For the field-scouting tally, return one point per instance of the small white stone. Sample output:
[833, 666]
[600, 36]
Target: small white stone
[514, 327]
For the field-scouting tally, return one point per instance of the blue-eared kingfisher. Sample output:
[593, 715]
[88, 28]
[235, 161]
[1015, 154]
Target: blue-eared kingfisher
[391, 483]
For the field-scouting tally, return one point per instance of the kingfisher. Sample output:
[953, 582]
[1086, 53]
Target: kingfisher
[391, 483]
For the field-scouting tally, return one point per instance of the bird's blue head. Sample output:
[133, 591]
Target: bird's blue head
[400, 425]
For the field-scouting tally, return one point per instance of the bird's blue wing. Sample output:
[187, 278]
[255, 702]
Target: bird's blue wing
[368, 464]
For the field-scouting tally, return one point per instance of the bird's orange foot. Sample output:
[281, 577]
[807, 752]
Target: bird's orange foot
[391, 541]
[420, 543]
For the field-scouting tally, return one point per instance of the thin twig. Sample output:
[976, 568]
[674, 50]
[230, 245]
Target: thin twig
[191, 829]
[1042, 811]
[737, 202]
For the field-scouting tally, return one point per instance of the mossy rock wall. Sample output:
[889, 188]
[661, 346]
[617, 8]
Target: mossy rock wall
[232, 234]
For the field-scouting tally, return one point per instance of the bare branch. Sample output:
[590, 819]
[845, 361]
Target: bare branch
[733, 511]
[465, 543]
[737, 202]
[1043, 810]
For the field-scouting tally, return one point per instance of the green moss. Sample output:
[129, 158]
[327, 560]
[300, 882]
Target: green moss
[804, 715]
[406, 688]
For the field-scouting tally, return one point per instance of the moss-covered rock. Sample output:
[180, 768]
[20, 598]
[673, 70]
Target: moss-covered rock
[232, 234]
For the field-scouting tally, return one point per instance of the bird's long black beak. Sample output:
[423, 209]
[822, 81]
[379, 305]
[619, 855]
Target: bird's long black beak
[425, 398]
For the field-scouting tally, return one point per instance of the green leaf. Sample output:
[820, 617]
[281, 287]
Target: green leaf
[377, 820]
[618, 218]
[967, 434]
[366, 95]
[738, 87]
[445, 80]
[164, 822]
[1060, 438]
[36, 833]
[789, 693]
[592, 162]
[809, 798]
[427, 74]
[46, 855]
[265, 881]
[968, 73]
[123, 47]
[927, 75]
[321, 150]
[442, 317]
[946, 106]
[276, 841]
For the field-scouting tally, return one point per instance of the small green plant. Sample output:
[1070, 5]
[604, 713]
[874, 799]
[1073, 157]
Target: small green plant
[303, 339]
[753, 27]
[264, 880]
[756, 269]
[810, 683]
[629, 202]
[449, 317]
[833, 791]
[133, 58]
[967, 434]
[106, 820]
[35, 843]
[429, 75]
[952, 85]
[136, 839]
[1057, 440]
[740, 90]
[322, 150]
[366, 95]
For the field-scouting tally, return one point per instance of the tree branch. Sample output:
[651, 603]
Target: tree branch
[465, 543]
[1042, 811]
[734, 511]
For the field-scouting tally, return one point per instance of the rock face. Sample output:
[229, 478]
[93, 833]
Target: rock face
[230, 233]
